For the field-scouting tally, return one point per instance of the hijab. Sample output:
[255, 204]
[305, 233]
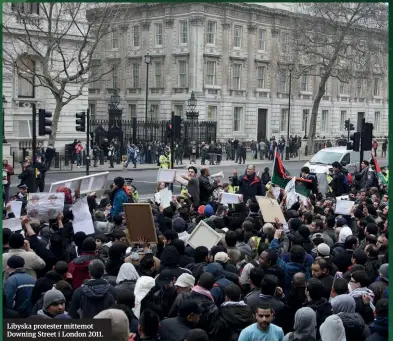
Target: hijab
[143, 286]
[127, 272]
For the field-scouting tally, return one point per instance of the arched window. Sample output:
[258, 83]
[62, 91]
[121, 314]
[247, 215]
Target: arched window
[25, 71]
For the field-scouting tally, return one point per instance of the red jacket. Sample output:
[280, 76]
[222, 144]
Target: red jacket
[10, 171]
[78, 268]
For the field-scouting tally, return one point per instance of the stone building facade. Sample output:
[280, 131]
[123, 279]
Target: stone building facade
[232, 56]
[20, 94]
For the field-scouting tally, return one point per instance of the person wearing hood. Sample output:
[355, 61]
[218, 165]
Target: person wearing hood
[382, 282]
[220, 282]
[363, 296]
[79, 266]
[54, 305]
[380, 326]
[222, 258]
[332, 329]
[127, 278]
[95, 295]
[355, 328]
[176, 328]
[265, 177]
[305, 327]
[119, 323]
[181, 248]
[118, 197]
[180, 226]
[249, 184]
[345, 231]
[233, 315]
[343, 304]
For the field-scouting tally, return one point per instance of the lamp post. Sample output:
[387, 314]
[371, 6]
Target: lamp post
[151, 112]
[290, 69]
[305, 125]
[192, 115]
[147, 61]
[4, 103]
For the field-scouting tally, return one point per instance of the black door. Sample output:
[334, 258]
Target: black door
[262, 117]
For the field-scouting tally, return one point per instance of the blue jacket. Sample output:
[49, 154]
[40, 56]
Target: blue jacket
[289, 268]
[119, 198]
[17, 291]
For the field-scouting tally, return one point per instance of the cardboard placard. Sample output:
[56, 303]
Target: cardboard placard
[166, 175]
[230, 198]
[178, 177]
[166, 197]
[16, 207]
[344, 207]
[85, 184]
[140, 222]
[270, 210]
[204, 235]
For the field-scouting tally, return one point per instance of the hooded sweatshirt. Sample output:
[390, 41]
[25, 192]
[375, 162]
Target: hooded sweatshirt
[221, 283]
[305, 327]
[332, 329]
[354, 326]
[343, 304]
[142, 288]
[127, 277]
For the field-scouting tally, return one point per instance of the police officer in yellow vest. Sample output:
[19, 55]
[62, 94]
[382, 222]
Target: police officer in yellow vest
[165, 159]
[232, 189]
[329, 179]
[385, 174]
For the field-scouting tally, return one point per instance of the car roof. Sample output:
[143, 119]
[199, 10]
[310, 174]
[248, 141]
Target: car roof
[340, 149]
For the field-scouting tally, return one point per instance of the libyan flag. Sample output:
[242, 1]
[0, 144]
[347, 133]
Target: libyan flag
[281, 177]
[378, 170]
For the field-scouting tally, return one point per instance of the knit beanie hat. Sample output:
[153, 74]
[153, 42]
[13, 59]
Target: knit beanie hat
[208, 211]
[16, 262]
[53, 296]
[179, 225]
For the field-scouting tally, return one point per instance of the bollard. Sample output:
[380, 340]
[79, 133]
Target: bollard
[57, 160]
[102, 162]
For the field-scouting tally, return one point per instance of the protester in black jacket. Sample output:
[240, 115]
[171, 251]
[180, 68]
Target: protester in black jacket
[249, 184]
[233, 316]
[205, 187]
[201, 258]
[338, 182]
[27, 176]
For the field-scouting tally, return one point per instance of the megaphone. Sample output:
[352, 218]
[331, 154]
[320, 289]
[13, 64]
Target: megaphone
[218, 175]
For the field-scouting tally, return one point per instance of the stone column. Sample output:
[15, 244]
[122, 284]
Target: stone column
[225, 58]
[195, 70]
[250, 61]
[167, 67]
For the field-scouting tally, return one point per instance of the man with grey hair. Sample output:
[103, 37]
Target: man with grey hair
[95, 295]
[249, 184]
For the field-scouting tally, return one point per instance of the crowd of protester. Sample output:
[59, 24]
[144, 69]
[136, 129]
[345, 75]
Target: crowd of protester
[321, 276]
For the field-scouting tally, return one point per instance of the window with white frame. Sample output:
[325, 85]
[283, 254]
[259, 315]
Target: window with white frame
[261, 39]
[115, 39]
[132, 111]
[211, 113]
[26, 80]
[261, 72]
[115, 77]
[183, 74]
[155, 110]
[211, 32]
[238, 36]
[183, 31]
[377, 82]
[284, 119]
[236, 76]
[94, 75]
[343, 118]
[306, 113]
[284, 42]
[237, 118]
[304, 82]
[283, 81]
[359, 87]
[92, 111]
[377, 121]
[136, 35]
[179, 110]
[158, 74]
[324, 120]
[211, 72]
[343, 88]
[158, 34]
[135, 75]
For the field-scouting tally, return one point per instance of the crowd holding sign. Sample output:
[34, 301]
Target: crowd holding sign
[239, 260]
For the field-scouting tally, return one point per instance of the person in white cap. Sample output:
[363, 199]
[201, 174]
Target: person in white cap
[184, 283]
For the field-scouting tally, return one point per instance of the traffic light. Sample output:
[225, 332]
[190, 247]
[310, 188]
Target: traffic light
[367, 138]
[351, 127]
[80, 121]
[347, 124]
[356, 142]
[44, 122]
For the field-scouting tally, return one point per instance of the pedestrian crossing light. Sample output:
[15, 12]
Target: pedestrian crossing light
[44, 122]
[80, 121]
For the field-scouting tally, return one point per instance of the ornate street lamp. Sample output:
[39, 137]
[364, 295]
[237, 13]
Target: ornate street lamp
[192, 116]
[4, 104]
[147, 62]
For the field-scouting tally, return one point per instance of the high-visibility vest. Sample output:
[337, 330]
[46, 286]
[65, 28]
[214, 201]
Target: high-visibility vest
[164, 162]
[329, 179]
[233, 189]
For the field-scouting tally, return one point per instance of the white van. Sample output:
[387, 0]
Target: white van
[322, 161]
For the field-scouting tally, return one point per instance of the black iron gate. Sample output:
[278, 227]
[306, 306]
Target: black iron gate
[134, 131]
